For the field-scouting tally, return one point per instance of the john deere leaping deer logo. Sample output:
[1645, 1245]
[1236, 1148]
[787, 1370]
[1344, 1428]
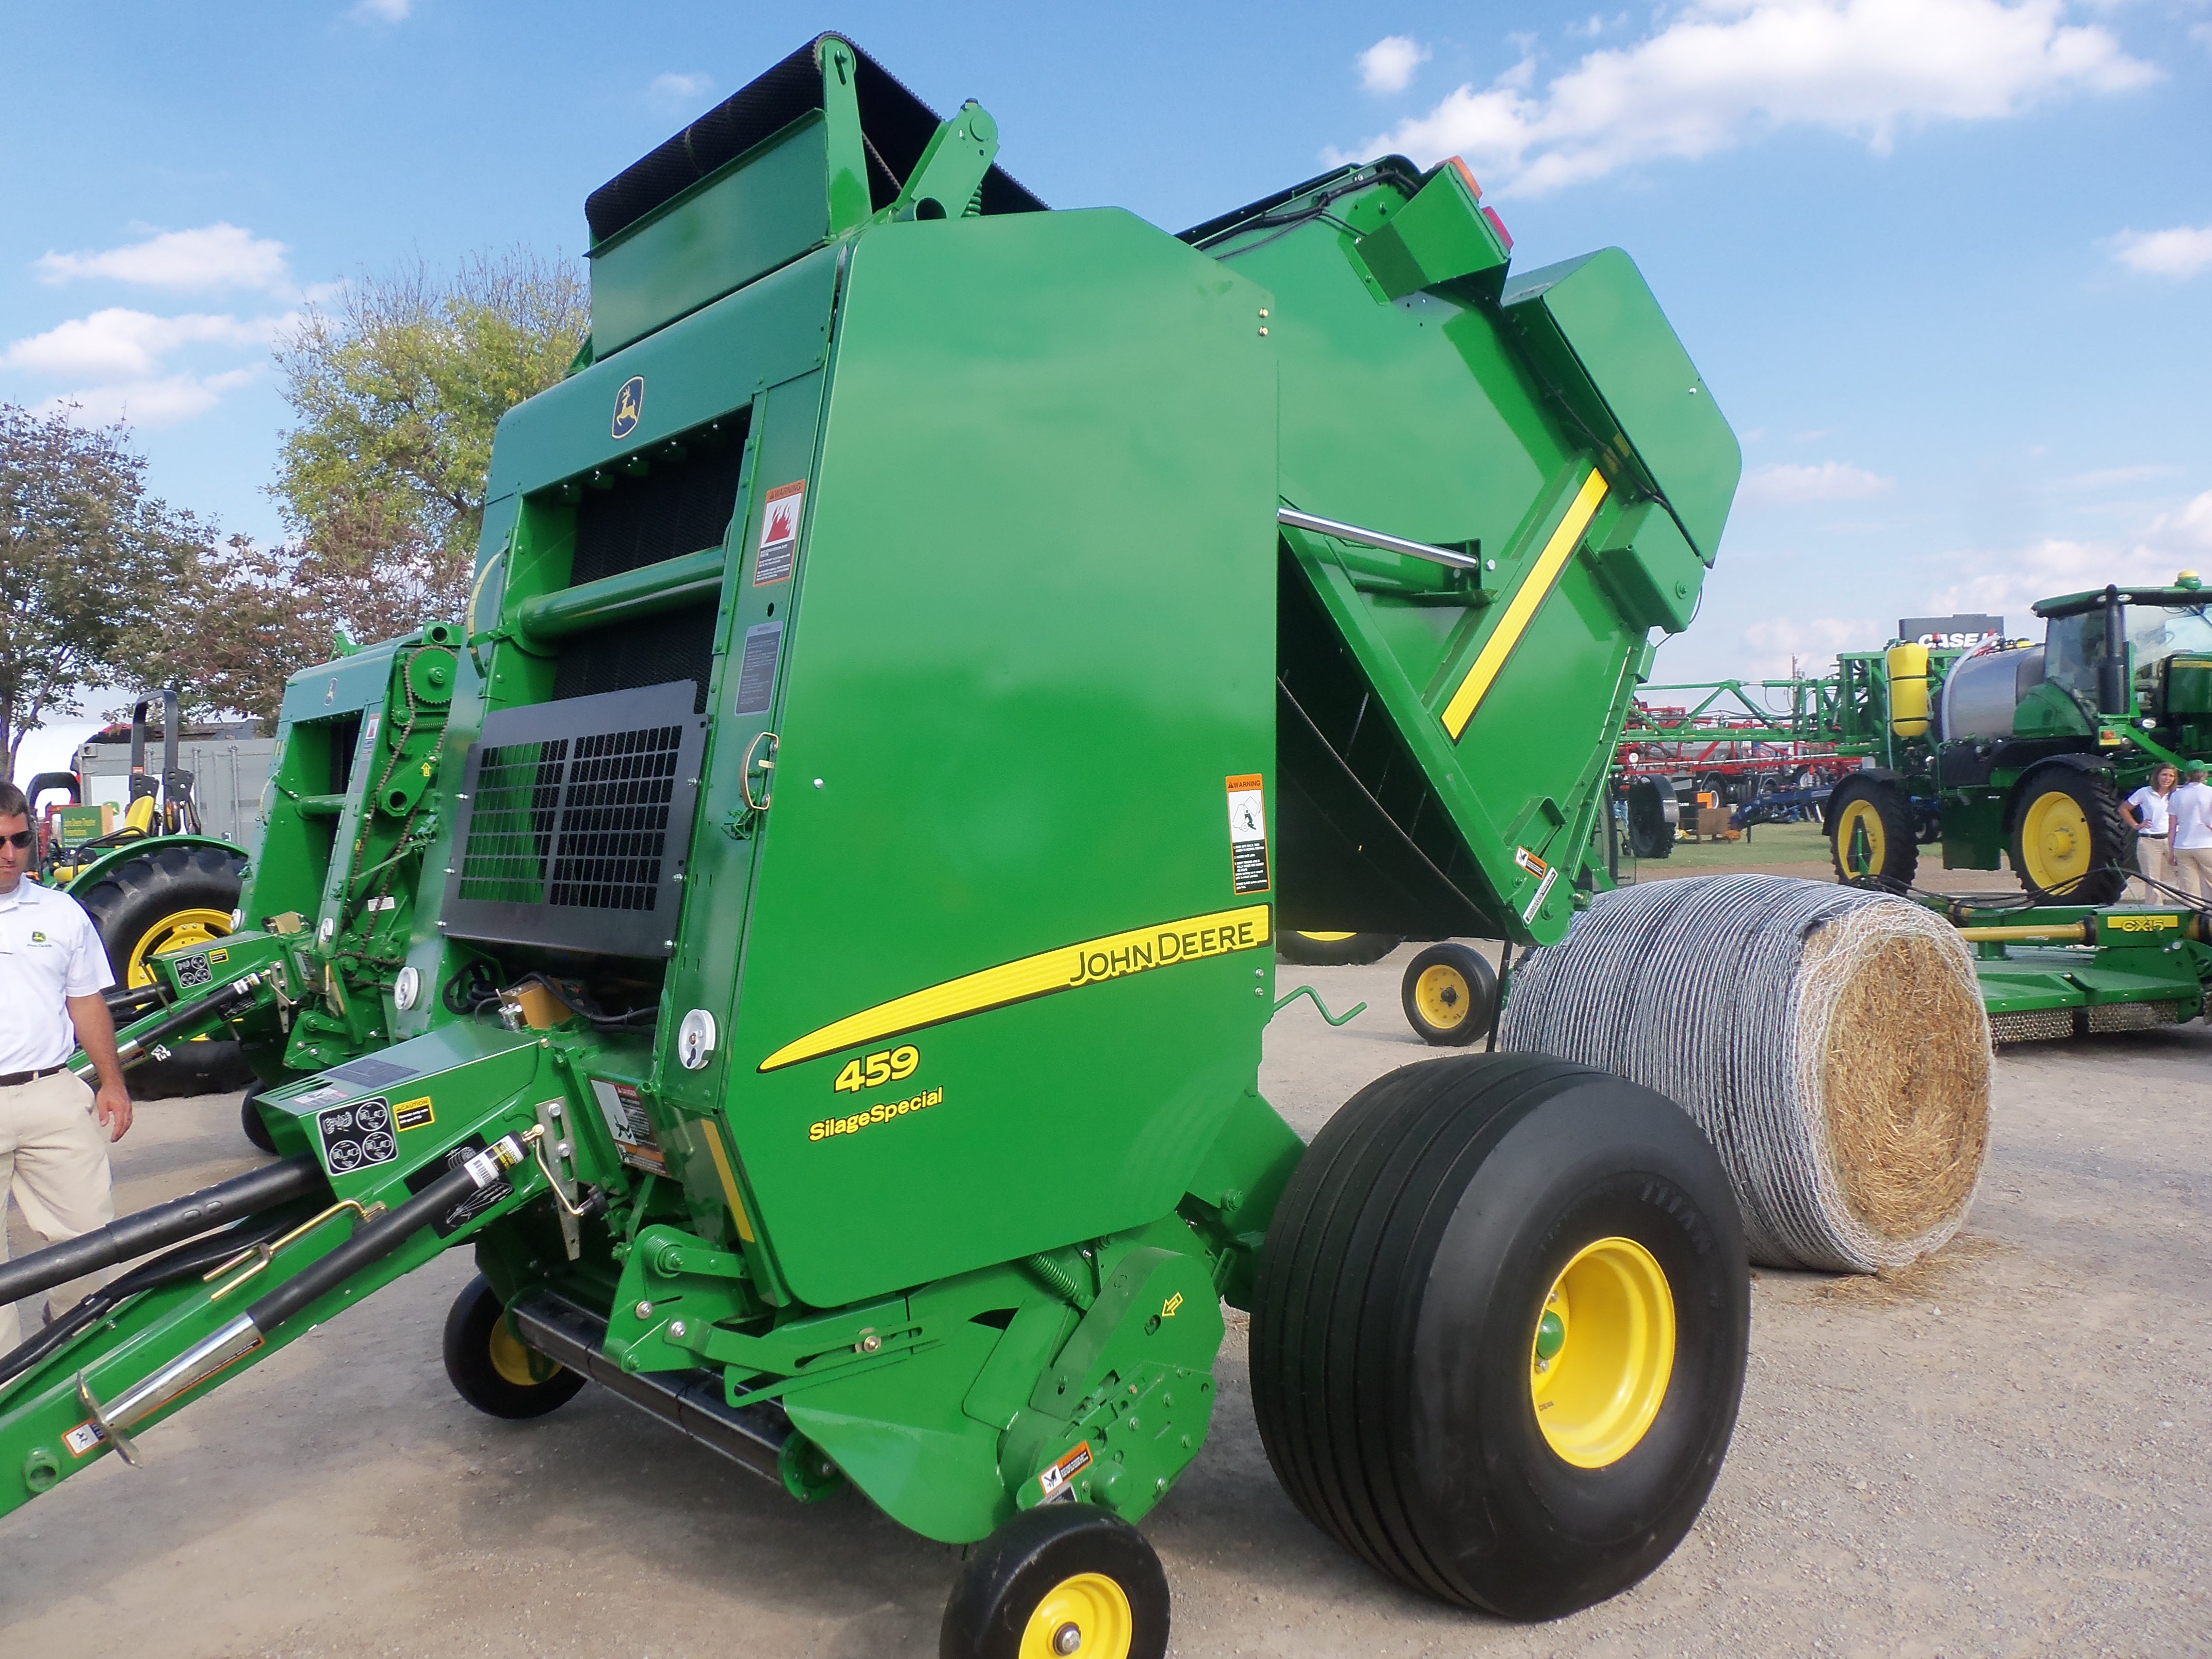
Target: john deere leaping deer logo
[629, 405]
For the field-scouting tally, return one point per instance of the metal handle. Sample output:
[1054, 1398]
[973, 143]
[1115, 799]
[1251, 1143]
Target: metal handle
[767, 764]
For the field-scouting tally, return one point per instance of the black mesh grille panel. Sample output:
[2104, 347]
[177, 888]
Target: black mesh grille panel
[676, 645]
[576, 823]
[673, 510]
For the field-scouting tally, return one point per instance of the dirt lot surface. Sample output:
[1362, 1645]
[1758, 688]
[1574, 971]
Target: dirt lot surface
[2008, 1450]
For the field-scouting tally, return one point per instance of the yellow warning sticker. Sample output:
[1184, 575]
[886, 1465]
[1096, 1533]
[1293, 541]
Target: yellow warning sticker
[413, 1113]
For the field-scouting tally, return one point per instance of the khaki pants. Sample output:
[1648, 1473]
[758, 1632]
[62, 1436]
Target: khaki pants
[2155, 861]
[53, 1155]
[2192, 868]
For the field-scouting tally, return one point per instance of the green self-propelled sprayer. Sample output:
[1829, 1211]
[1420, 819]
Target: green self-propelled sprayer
[809, 926]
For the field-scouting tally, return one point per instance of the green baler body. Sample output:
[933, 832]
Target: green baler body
[958, 935]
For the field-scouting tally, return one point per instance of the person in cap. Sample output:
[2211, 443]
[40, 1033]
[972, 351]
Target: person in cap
[54, 1131]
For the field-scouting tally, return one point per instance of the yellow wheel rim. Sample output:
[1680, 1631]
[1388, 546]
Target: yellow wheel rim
[516, 1360]
[1442, 995]
[1085, 1616]
[2055, 840]
[1861, 817]
[1320, 938]
[1603, 1353]
[180, 930]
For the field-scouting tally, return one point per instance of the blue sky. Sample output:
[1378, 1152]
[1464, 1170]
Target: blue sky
[1947, 265]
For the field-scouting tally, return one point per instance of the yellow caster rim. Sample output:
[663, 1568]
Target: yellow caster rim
[2054, 842]
[1866, 857]
[1084, 1617]
[1442, 995]
[1603, 1353]
[1320, 938]
[515, 1360]
[183, 930]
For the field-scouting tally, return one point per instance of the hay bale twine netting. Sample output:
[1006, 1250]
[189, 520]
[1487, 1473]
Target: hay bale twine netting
[1831, 1042]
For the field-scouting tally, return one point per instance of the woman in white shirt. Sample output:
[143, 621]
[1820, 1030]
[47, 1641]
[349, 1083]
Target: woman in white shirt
[2146, 815]
[2189, 834]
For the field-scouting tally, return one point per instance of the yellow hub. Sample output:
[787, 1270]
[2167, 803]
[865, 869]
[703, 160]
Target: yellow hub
[1859, 838]
[516, 1361]
[2054, 842]
[1603, 1353]
[180, 930]
[1084, 1617]
[1321, 939]
[1442, 995]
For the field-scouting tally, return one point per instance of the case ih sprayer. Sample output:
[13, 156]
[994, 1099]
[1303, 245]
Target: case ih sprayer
[808, 928]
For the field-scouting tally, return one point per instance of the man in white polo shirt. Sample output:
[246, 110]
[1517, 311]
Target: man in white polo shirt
[2189, 833]
[53, 1152]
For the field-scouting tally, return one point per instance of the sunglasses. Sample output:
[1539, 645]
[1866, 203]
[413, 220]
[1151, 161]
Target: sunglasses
[20, 838]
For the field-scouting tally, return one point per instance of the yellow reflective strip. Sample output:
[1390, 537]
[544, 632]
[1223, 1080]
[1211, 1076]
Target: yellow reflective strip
[729, 1181]
[1519, 614]
[1113, 956]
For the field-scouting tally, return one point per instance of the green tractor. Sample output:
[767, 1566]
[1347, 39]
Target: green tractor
[152, 881]
[2025, 752]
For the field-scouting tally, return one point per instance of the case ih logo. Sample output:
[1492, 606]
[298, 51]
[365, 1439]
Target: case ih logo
[1971, 632]
[629, 405]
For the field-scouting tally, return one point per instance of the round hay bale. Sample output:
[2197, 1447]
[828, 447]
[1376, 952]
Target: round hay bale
[1830, 1042]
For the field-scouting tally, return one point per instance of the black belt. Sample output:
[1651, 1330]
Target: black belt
[2150, 835]
[14, 1078]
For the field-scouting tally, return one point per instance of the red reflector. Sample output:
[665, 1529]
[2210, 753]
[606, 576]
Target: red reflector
[1499, 225]
[1467, 173]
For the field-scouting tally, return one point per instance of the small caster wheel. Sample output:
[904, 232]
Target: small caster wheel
[1449, 993]
[1062, 1581]
[251, 1120]
[494, 1370]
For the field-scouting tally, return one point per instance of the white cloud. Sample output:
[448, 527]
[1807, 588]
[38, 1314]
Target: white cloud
[676, 91]
[382, 11]
[2179, 253]
[1723, 72]
[216, 256]
[1389, 65]
[125, 345]
[152, 402]
[1780, 642]
[2009, 581]
[1786, 485]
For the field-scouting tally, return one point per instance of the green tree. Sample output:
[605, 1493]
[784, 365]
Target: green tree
[90, 565]
[397, 394]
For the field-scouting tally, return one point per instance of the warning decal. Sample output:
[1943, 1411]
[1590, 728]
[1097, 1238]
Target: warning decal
[1054, 1481]
[357, 1136]
[779, 536]
[624, 1111]
[83, 1437]
[1247, 833]
[414, 1114]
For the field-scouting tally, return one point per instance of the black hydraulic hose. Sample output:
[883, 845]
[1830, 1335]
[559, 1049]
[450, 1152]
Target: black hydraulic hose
[264, 1188]
[375, 1239]
[139, 1045]
[125, 1005]
[193, 1256]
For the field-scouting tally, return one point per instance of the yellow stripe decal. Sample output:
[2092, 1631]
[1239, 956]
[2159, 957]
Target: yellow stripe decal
[1063, 969]
[729, 1181]
[1519, 614]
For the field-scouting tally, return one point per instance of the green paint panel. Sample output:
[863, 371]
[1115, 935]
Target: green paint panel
[1023, 663]
[759, 212]
[1593, 320]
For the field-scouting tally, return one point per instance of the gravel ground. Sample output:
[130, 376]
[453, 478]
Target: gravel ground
[2003, 1450]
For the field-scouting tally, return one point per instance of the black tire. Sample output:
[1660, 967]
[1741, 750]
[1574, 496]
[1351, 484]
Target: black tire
[2066, 837]
[1334, 949]
[186, 893]
[1009, 1580]
[251, 1120]
[1449, 993]
[1870, 825]
[484, 1359]
[1650, 827]
[1395, 1325]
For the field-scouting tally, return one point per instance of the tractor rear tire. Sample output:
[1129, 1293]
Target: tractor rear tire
[1051, 1568]
[1650, 830]
[1869, 826]
[1334, 949]
[251, 1120]
[1449, 994]
[2067, 840]
[171, 897]
[494, 1370]
[1460, 1362]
